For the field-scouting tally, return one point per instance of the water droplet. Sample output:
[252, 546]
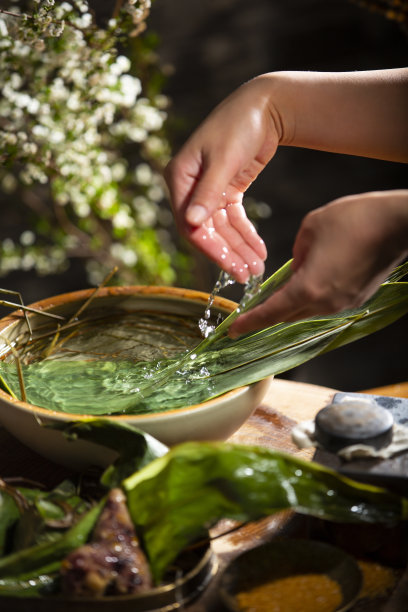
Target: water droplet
[223, 281]
[252, 288]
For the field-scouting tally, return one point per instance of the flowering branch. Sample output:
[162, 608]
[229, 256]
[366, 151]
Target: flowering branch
[19, 16]
[78, 126]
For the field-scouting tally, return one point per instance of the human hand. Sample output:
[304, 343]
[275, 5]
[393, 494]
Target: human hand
[342, 253]
[209, 175]
[358, 113]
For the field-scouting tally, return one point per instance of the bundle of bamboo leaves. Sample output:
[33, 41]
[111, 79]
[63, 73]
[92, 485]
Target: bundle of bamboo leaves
[217, 365]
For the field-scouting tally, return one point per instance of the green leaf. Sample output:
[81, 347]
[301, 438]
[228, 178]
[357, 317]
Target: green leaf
[45, 512]
[30, 586]
[37, 559]
[135, 448]
[174, 499]
[268, 288]
[9, 514]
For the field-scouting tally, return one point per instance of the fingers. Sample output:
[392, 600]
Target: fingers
[283, 306]
[236, 249]
[238, 220]
[198, 177]
[302, 297]
[227, 236]
[208, 196]
[238, 243]
[212, 244]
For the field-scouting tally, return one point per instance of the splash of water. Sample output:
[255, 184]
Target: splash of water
[223, 281]
[251, 288]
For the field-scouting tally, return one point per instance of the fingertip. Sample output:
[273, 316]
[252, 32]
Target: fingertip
[233, 334]
[240, 272]
[257, 267]
[196, 214]
[262, 252]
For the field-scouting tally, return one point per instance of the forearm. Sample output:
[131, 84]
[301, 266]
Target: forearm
[357, 113]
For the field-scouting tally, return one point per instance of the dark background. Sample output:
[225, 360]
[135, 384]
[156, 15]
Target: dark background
[210, 47]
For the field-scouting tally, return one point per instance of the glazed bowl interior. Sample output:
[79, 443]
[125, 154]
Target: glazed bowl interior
[215, 419]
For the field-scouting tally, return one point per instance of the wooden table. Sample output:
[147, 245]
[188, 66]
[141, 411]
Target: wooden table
[285, 404]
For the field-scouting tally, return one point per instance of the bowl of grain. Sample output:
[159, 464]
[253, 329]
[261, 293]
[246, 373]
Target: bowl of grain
[291, 575]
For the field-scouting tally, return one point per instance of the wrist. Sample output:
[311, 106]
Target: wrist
[277, 90]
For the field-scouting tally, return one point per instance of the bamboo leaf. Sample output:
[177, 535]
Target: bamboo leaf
[398, 274]
[8, 516]
[268, 287]
[135, 448]
[38, 559]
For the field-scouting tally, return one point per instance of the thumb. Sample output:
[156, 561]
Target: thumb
[210, 193]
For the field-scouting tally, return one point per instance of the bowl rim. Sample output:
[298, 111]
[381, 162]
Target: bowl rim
[155, 291]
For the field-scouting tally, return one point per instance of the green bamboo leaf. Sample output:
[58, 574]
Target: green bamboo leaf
[398, 273]
[135, 448]
[32, 585]
[9, 515]
[267, 288]
[389, 304]
[37, 559]
[176, 497]
[43, 508]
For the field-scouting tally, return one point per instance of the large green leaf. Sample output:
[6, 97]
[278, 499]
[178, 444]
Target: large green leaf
[174, 499]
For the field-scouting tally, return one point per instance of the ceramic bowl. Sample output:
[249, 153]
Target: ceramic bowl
[215, 419]
[257, 574]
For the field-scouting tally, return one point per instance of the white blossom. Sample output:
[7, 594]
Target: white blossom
[107, 199]
[123, 220]
[126, 255]
[143, 174]
[121, 65]
[131, 88]
[3, 27]
[151, 118]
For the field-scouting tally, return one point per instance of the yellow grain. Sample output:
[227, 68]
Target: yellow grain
[307, 592]
[377, 579]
